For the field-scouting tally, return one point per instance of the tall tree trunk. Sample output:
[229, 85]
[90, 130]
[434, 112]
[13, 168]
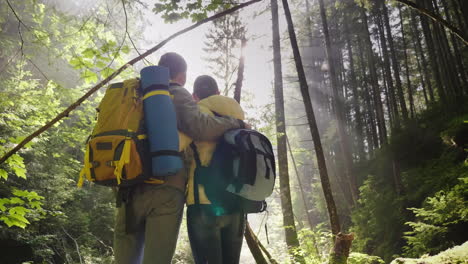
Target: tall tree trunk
[464, 10]
[374, 81]
[389, 97]
[395, 66]
[421, 74]
[372, 137]
[405, 55]
[456, 47]
[331, 207]
[353, 84]
[240, 72]
[419, 6]
[286, 203]
[459, 72]
[443, 56]
[342, 246]
[448, 58]
[432, 56]
[420, 54]
[339, 111]
[387, 71]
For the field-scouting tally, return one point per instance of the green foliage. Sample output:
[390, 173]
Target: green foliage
[38, 193]
[360, 258]
[455, 255]
[14, 210]
[95, 63]
[378, 221]
[196, 10]
[427, 167]
[316, 243]
[440, 220]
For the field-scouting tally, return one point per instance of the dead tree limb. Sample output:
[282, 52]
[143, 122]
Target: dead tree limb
[76, 245]
[67, 111]
[253, 243]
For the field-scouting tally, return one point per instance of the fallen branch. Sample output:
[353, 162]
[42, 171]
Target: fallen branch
[67, 111]
[437, 19]
[253, 243]
[76, 245]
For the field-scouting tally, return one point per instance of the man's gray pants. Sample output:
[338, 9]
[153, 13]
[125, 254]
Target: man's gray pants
[147, 232]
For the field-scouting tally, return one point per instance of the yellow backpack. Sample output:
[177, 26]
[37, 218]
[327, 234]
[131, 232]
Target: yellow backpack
[116, 152]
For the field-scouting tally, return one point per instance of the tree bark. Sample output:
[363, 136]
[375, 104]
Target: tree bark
[432, 57]
[455, 45]
[387, 71]
[458, 10]
[372, 137]
[285, 193]
[342, 247]
[395, 66]
[253, 243]
[240, 72]
[405, 55]
[420, 54]
[387, 97]
[353, 84]
[457, 55]
[445, 57]
[421, 73]
[374, 81]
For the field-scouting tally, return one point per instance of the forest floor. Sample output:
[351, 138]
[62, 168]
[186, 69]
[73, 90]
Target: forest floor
[455, 255]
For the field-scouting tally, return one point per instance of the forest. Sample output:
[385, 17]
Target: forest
[365, 102]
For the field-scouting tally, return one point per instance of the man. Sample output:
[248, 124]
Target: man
[147, 227]
[215, 230]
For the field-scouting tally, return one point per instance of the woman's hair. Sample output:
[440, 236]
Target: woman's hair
[205, 86]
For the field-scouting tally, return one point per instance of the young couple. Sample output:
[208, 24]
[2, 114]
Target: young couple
[147, 228]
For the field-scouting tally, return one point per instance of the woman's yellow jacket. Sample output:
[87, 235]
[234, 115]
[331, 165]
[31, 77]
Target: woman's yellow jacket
[224, 106]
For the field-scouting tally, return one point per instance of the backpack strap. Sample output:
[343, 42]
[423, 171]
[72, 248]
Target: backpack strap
[216, 114]
[196, 195]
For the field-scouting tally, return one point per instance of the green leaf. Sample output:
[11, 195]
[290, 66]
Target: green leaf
[16, 200]
[101, 64]
[125, 49]
[3, 174]
[36, 204]
[89, 76]
[19, 220]
[106, 72]
[30, 195]
[3, 201]
[88, 53]
[20, 171]
[7, 221]
[18, 210]
[76, 63]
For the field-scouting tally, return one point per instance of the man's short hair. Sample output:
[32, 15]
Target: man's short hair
[174, 62]
[205, 86]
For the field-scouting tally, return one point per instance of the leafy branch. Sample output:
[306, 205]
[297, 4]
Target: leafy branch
[67, 111]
